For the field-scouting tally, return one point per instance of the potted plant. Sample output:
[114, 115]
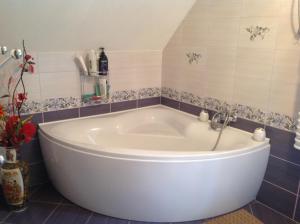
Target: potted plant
[15, 131]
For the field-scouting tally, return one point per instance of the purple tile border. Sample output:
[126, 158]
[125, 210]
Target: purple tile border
[126, 105]
[36, 118]
[170, 103]
[148, 102]
[61, 114]
[94, 110]
[191, 109]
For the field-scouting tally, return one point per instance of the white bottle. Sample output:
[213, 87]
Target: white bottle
[203, 116]
[259, 134]
[103, 87]
[92, 63]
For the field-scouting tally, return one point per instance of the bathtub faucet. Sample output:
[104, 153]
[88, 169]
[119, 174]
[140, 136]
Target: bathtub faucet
[221, 119]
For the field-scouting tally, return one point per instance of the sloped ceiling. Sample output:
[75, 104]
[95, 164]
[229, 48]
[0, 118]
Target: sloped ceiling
[62, 25]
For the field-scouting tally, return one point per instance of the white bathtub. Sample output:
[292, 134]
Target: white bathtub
[152, 164]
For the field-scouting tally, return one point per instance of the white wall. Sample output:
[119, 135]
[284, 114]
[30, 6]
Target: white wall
[66, 25]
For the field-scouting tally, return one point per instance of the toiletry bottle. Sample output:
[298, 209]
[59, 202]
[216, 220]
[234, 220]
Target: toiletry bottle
[92, 63]
[103, 63]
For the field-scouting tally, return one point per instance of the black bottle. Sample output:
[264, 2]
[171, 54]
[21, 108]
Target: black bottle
[103, 63]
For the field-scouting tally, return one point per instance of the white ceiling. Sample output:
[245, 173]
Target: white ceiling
[63, 25]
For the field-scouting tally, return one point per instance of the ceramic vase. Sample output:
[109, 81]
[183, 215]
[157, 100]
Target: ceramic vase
[15, 181]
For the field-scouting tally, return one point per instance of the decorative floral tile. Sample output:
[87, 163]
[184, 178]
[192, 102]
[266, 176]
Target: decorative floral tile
[216, 104]
[170, 93]
[91, 102]
[61, 103]
[281, 121]
[125, 95]
[276, 120]
[31, 107]
[250, 113]
[257, 31]
[192, 99]
[193, 57]
[149, 92]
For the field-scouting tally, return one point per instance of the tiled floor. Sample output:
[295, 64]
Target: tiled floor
[47, 206]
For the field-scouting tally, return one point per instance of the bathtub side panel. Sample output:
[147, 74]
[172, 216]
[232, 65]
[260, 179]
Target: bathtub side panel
[154, 191]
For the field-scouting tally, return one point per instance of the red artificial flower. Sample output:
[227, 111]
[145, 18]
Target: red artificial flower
[28, 131]
[1, 111]
[22, 96]
[27, 57]
[31, 68]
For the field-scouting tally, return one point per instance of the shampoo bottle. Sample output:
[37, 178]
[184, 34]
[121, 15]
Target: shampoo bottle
[103, 63]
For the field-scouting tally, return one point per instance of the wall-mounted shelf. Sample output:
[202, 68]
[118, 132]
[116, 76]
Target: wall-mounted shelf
[95, 88]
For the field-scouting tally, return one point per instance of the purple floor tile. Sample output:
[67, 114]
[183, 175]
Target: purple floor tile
[94, 110]
[126, 105]
[3, 209]
[36, 213]
[277, 199]
[38, 174]
[112, 220]
[149, 102]
[283, 174]
[170, 103]
[268, 216]
[61, 114]
[297, 214]
[47, 193]
[69, 214]
[98, 219]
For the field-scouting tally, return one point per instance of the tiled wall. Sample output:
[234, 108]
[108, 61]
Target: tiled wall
[56, 83]
[242, 52]
[242, 55]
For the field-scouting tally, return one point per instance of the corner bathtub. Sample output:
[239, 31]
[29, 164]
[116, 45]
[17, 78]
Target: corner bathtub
[152, 164]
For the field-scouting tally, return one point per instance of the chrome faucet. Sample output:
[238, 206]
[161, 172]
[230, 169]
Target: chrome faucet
[221, 119]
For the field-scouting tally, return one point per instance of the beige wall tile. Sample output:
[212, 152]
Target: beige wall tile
[252, 91]
[266, 41]
[254, 8]
[285, 98]
[255, 63]
[223, 32]
[287, 67]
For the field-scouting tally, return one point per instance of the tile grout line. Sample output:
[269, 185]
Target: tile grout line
[51, 213]
[287, 161]
[296, 203]
[89, 218]
[251, 210]
[6, 217]
[275, 211]
[275, 185]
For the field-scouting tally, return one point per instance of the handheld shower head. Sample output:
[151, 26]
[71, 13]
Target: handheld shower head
[3, 50]
[16, 53]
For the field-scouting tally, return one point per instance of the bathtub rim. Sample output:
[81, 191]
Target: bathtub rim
[142, 154]
[197, 157]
